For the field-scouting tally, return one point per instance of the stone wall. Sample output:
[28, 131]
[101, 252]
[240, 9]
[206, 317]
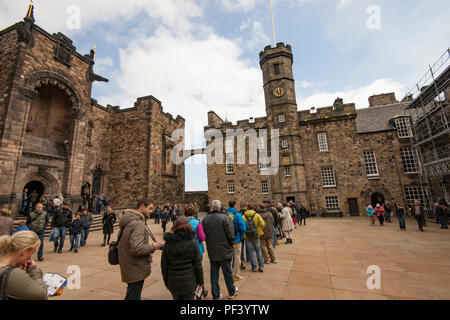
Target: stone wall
[201, 197]
[382, 99]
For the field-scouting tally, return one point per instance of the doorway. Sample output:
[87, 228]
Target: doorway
[289, 199]
[377, 198]
[353, 207]
[35, 186]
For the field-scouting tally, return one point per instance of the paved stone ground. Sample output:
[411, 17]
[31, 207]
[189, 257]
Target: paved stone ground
[328, 260]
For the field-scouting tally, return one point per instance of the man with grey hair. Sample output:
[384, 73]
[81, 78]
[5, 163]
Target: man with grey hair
[219, 231]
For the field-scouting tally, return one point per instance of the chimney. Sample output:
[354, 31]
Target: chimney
[382, 99]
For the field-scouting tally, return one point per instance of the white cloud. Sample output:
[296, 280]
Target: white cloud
[190, 76]
[52, 15]
[359, 95]
[343, 3]
[254, 37]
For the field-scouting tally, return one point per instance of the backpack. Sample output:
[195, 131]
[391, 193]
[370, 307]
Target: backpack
[252, 230]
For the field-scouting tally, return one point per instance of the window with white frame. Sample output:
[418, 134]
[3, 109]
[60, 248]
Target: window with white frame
[287, 171]
[282, 118]
[328, 177]
[230, 163]
[264, 187]
[230, 186]
[263, 164]
[284, 143]
[370, 162]
[323, 142]
[410, 164]
[332, 203]
[403, 126]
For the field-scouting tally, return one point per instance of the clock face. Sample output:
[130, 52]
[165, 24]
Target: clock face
[279, 92]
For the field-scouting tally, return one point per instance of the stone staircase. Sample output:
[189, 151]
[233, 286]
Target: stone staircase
[96, 223]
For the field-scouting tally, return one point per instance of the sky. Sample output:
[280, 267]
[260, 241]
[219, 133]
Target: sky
[202, 55]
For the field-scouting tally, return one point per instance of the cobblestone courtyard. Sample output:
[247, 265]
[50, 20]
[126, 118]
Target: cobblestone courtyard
[328, 260]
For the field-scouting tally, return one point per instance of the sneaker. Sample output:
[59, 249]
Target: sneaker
[266, 262]
[242, 266]
[54, 249]
[40, 259]
[221, 297]
[60, 251]
[274, 262]
[236, 291]
[254, 270]
[71, 248]
[261, 270]
[238, 278]
[76, 251]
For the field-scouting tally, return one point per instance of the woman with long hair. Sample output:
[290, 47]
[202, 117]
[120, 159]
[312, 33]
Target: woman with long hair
[20, 278]
[181, 261]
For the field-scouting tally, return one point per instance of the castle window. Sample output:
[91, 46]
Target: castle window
[323, 142]
[332, 203]
[409, 160]
[370, 162]
[403, 126]
[287, 171]
[417, 193]
[230, 187]
[230, 164]
[264, 187]
[328, 177]
[282, 118]
[276, 68]
[263, 165]
[284, 143]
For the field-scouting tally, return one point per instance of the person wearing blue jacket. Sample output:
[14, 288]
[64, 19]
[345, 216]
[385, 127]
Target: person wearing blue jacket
[239, 229]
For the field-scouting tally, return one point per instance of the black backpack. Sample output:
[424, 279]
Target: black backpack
[252, 230]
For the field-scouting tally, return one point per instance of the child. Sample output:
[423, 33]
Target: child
[165, 218]
[75, 232]
[22, 227]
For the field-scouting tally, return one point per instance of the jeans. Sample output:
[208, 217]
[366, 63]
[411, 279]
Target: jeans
[24, 207]
[185, 296]
[227, 274]
[59, 233]
[419, 221]
[254, 246]
[274, 237]
[74, 239]
[402, 222]
[443, 220]
[84, 236]
[388, 216]
[41, 247]
[134, 290]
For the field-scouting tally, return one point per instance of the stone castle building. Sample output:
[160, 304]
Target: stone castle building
[54, 138]
[338, 158]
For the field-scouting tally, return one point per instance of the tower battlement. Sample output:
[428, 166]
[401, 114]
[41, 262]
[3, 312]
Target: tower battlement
[271, 52]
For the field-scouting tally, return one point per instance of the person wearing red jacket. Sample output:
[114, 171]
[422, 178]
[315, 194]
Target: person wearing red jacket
[379, 212]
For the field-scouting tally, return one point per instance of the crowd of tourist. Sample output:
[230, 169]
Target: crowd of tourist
[384, 212]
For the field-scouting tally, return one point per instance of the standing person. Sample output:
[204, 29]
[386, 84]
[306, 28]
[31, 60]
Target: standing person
[400, 215]
[371, 214]
[441, 212]
[280, 228]
[98, 204]
[294, 213]
[276, 220]
[34, 198]
[157, 214]
[197, 227]
[165, 217]
[60, 223]
[106, 203]
[239, 231]
[25, 280]
[379, 212]
[108, 221]
[219, 231]
[24, 207]
[134, 249]
[6, 223]
[86, 217]
[37, 221]
[266, 238]
[303, 214]
[419, 213]
[255, 230]
[286, 222]
[76, 228]
[388, 211]
[181, 261]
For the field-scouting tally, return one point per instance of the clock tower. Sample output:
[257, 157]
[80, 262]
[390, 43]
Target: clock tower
[282, 114]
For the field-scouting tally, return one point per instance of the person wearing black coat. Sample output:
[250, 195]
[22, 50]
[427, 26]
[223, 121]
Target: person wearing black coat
[61, 222]
[109, 219]
[181, 261]
[75, 231]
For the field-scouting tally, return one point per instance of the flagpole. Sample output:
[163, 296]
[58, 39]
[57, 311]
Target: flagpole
[273, 24]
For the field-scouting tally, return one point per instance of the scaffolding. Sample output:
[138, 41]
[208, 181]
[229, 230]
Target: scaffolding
[429, 112]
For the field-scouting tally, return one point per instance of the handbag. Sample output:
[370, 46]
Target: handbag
[113, 253]
[5, 275]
